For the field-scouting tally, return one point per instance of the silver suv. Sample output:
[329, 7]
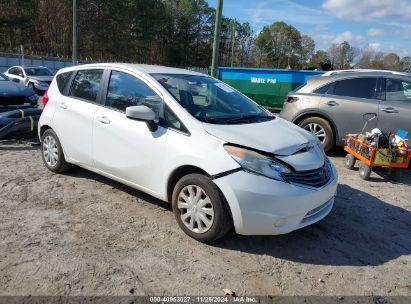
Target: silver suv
[335, 104]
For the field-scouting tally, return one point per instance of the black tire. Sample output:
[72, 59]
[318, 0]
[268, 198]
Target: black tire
[364, 171]
[395, 174]
[61, 165]
[349, 161]
[222, 220]
[329, 141]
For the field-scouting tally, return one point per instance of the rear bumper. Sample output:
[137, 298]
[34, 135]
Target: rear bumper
[261, 206]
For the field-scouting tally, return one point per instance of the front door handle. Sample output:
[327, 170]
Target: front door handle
[63, 105]
[390, 110]
[332, 103]
[103, 119]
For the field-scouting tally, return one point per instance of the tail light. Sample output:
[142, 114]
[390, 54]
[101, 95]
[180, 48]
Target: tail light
[45, 99]
[291, 99]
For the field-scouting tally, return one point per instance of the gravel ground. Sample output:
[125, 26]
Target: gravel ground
[82, 234]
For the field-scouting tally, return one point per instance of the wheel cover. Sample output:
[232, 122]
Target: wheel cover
[196, 209]
[50, 151]
[317, 130]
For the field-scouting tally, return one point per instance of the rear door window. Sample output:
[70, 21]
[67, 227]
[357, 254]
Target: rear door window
[86, 85]
[398, 90]
[356, 87]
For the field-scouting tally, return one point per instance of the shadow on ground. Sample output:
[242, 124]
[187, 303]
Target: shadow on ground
[82, 173]
[361, 230]
[19, 145]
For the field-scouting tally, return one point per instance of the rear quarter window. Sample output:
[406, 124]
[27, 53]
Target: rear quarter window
[325, 89]
[62, 81]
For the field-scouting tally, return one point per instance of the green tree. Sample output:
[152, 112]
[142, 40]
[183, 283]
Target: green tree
[307, 49]
[319, 59]
[277, 45]
[406, 64]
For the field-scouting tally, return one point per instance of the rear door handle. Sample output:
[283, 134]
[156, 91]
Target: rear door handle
[63, 105]
[103, 119]
[332, 103]
[390, 110]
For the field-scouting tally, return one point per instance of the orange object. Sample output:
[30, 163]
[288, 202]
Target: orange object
[352, 145]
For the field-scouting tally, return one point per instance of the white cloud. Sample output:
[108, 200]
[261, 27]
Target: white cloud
[374, 45]
[349, 37]
[268, 11]
[368, 10]
[375, 32]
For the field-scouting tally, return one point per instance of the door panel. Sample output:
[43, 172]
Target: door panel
[395, 111]
[73, 119]
[127, 149]
[347, 103]
[73, 123]
[123, 147]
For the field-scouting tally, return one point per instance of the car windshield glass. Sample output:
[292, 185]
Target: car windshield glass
[212, 101]
[38, 72]
[3, 78]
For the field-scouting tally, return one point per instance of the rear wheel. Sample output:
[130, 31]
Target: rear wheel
[52, 152]
[200, 209]
[320, 128]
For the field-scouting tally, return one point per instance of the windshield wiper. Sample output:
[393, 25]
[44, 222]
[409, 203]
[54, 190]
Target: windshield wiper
[224, 120]
[248, 117]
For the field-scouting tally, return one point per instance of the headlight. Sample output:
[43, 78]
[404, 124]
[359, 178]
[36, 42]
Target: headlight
[257, 163]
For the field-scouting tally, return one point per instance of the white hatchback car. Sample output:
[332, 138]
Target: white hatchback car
[189, 139]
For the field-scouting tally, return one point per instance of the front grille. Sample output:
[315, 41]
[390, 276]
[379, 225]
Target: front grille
[312, 178]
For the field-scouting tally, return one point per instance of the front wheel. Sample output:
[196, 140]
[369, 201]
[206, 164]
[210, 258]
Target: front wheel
[320, 128]
[364, 171]
[200, 209]
[349, 161]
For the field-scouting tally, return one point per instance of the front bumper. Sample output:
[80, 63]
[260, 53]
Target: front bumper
[262, 206]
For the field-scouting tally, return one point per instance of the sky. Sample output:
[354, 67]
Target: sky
[384, 25]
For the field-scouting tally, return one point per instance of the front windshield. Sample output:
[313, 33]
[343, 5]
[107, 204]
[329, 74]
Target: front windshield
[38, 72]
[3, 78]
[212, 101]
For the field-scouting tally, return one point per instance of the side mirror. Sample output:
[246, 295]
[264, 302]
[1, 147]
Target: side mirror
[142, 113]
[15, 80]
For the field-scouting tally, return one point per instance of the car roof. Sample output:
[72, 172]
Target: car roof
[365, 72]
[316, 82]
[28, 66]
[143, 68]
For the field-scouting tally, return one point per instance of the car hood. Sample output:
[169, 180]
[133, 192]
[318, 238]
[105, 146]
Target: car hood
[41, 78]
[10, 88]
[287, 141]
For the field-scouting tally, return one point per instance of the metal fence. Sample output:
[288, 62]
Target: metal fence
[8, 60]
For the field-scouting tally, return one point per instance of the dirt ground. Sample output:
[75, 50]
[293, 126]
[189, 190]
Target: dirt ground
[82, 234]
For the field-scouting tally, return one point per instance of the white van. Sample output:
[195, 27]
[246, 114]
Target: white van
[220, 159]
